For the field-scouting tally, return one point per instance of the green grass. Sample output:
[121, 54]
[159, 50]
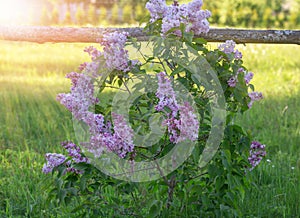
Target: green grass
[32, 123]
[276, 122]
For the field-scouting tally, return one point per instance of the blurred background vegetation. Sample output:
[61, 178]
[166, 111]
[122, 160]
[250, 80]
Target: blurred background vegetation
[237, 13]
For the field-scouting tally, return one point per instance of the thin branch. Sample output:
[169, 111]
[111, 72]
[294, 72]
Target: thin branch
[162, 65]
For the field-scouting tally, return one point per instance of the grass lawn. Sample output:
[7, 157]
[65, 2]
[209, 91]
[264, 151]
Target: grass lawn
[32, 123]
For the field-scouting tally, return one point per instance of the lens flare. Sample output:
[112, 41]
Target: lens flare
[14, 11]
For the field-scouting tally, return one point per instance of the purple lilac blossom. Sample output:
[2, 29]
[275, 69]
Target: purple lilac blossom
[91, 67]
[181, 122]
[248, 77]
[188, 124]
[116, 57]
[228, 48]
[232, 81]
[173, 15]
[166, 94]
[120, 140]
[93, 52]
[114, 54]
[254, 96]
[53, 160]
[96, 144]
[114, 39]
[257, 152]
[173, 130]
[240, 70]
[123, 135]
[96, 123]
[238, 55]
[74, 152]
[81, 96]
[101, 136]
[157, 9]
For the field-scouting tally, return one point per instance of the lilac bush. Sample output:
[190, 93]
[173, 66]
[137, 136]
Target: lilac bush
[174, 119]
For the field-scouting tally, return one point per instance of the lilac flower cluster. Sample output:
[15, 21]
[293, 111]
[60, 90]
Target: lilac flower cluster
[232, 81]
[93, 52]
[74, 152]
[101, 135]
[117, 139]
[91, 68]
[78, 103]
[54, 160]
[188, 124]
[81, 96]
[228, 48]
[116, 57]
[121, 141]
[114, 53]
[165, 94]
[157, 9]
[248, 76]
[173, 15]
[182, 122]
[257, 152]
[254, 96]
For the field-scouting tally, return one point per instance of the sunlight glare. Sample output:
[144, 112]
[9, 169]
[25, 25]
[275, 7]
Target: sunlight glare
[13, 11]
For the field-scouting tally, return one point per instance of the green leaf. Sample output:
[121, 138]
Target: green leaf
[177, 70]
[226, 160]
[61, 195]
[251, 87]
[196, 154]
[188, 37]
[200, 41]
[155, 209]
[219, 182]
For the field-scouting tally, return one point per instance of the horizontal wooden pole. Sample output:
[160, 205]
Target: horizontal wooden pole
[42, 34]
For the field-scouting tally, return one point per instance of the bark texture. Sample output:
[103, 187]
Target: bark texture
[42, 34]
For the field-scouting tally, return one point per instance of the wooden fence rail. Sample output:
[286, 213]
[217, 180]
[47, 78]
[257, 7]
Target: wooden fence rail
[42, 34]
